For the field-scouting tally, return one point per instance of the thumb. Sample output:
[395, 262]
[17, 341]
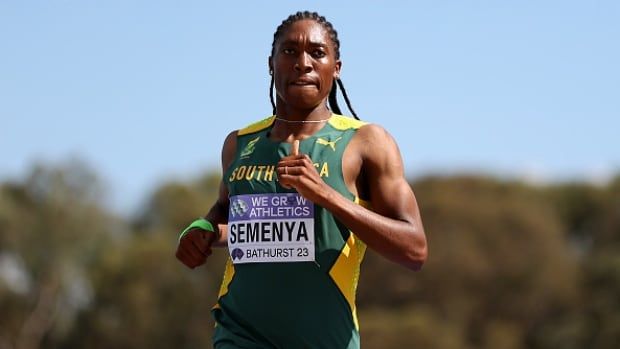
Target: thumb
[295, 148]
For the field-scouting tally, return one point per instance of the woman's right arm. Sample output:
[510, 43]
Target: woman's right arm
[195, 246]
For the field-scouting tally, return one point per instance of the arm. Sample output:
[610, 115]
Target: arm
[195, 247]
[393, 227]
[218, 214]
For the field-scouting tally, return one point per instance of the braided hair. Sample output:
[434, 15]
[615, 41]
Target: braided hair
[333, 35]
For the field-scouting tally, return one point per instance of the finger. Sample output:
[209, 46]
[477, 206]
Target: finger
[288, 172]
[286, 186]
[200, 250]
[294, 162]
[202, 247]
[199, 239]
[193, 251]
[295, 148]
[284, 177]
[187, 259]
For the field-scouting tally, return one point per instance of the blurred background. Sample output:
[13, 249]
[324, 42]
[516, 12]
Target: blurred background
[112, 116]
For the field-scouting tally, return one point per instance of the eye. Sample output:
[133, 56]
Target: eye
[318, 54]
[288, 51]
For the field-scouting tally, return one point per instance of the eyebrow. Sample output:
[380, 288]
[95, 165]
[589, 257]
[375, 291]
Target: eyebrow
[296, 42]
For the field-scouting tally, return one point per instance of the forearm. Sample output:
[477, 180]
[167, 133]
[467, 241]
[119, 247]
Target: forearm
[402, 241]
[218, 216]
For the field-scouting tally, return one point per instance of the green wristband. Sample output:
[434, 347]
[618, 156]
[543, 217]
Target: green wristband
[199, 223]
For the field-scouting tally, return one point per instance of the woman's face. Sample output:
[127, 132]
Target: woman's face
[304, 65]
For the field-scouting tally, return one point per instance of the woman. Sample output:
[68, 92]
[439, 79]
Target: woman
[303, 193]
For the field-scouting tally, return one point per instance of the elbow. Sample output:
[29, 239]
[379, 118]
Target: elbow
[416, 257]
[416, 262]
[416, 252]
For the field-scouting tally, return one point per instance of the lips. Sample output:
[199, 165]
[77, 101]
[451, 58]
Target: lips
[304, 82]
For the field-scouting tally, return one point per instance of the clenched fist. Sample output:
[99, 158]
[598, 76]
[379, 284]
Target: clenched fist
[195, 247]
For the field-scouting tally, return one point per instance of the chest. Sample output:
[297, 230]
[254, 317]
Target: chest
[254, 167]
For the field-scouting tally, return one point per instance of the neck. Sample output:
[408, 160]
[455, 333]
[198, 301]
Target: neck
[293, 123]
[292, 114]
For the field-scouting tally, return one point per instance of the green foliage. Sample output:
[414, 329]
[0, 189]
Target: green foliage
[510, 266]
[52, 232]
[174, 204]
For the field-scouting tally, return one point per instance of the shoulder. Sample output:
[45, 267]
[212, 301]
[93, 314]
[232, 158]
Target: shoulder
[230, 143]
[256, 126]
[231, 140]
[374, 139]
[371, 143]
[373, 133]
[228, 149]
[365, 130]
[377, 147]
[344, 123]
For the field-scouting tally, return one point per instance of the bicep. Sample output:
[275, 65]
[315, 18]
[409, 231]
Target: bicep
[389, 193]
[228, 152]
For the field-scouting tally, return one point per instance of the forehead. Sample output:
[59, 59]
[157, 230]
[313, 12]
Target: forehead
[305, 30]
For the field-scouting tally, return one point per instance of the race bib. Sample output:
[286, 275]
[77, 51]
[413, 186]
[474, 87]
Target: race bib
[276, 227]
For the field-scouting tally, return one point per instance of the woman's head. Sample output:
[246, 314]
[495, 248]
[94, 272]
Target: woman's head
[306, 49]
[329, 28]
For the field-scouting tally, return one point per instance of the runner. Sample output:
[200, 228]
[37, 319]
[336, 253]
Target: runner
[303, 193]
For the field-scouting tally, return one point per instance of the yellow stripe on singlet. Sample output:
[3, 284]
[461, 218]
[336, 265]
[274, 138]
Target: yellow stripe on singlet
[257, 126]
[346, 270]
[229, 272]
[342, 123]
[339, 122]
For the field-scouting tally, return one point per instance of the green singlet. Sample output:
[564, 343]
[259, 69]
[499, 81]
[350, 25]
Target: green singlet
[291, 278]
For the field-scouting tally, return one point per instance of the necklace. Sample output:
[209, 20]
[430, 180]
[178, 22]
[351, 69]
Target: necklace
[303, 121]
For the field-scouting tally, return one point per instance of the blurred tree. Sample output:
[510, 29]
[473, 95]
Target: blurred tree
[511, 266]
[146, 298]
[174, 204]
[498, 262]
[592, 214]
[52, 230]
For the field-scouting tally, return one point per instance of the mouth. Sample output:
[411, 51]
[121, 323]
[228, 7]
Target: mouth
[304, 83]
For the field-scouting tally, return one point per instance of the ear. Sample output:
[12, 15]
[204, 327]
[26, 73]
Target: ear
[270, 65]
[337, 69]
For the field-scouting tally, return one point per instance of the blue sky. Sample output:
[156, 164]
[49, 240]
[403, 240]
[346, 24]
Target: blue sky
[146, 91]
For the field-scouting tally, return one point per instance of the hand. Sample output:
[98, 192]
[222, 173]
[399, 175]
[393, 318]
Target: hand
[195, 247]
[297, 171]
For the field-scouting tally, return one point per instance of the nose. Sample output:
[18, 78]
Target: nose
[303, 63]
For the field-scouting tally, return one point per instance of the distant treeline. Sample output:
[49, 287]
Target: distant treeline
[511, 265]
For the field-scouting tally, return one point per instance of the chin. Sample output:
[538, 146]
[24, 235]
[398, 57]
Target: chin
[304, 104]
[304, 101]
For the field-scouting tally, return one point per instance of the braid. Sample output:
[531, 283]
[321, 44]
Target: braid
[346, 98]
[273, 104]
[333, 36]
[333, 100]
